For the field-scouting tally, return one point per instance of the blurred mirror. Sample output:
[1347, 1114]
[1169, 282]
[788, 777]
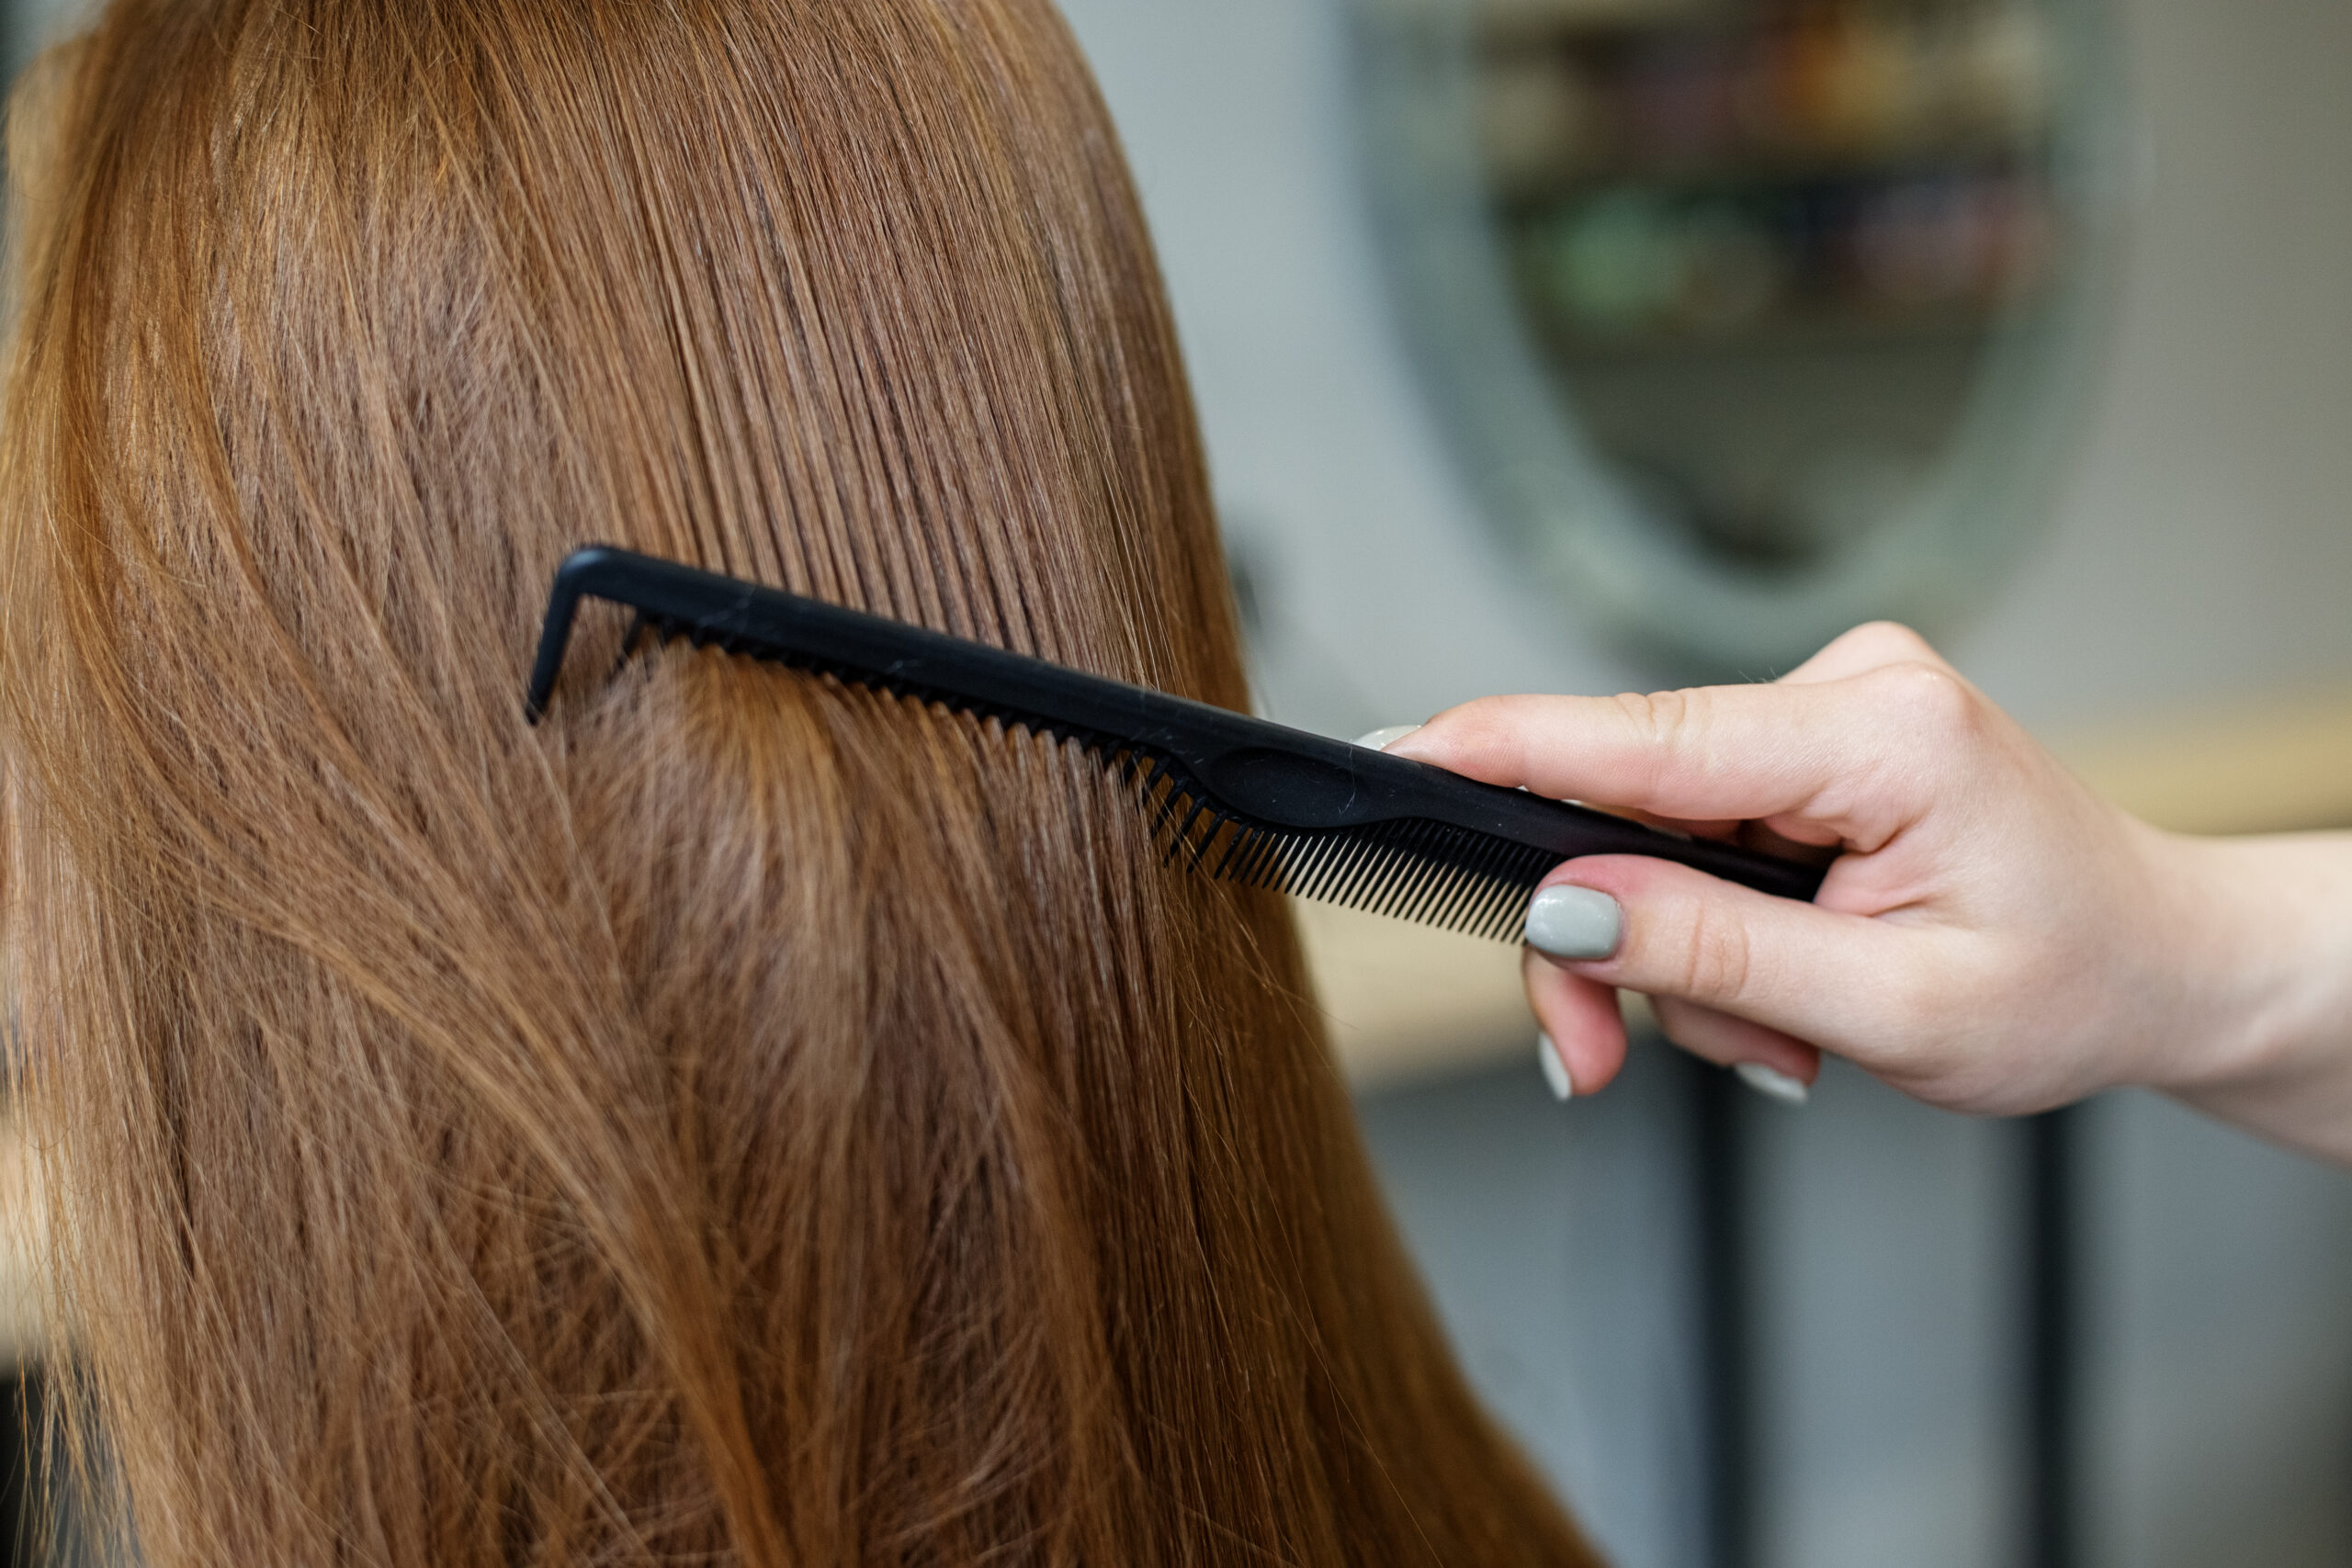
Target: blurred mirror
[1750, 319]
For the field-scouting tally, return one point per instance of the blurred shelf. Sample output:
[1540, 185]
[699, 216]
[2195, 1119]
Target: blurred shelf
[1403, 1002]
[1826, 330]
[1540, 23]
[1537, 23]
[1526, 196]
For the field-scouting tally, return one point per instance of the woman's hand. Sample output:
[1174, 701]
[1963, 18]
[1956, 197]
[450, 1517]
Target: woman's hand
[1992, 937]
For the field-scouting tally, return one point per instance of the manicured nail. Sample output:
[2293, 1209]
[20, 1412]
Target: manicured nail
[1774, 1084]
[1556, 1071]
[1575, 923]
[1381, 739]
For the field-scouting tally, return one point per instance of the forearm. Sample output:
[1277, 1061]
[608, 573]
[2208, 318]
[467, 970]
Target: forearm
[2269, 969]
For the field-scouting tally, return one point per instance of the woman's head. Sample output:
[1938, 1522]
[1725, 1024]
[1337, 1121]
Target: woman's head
[745, 1119]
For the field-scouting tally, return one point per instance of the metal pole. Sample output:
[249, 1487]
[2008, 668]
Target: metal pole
[1718, 1104]
[2053, 1518]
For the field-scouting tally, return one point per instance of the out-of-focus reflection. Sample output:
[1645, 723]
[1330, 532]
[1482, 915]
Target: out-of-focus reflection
[1772, 277]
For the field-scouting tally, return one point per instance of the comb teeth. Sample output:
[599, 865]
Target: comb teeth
[1414, 870]
[1437, 875]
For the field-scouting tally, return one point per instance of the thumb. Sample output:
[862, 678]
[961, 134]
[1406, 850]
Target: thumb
[1812, 973]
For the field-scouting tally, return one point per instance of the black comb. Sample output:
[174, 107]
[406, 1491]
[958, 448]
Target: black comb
[1235, 796]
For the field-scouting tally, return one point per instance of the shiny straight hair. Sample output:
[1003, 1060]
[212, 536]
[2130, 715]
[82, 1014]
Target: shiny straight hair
[745, 1120]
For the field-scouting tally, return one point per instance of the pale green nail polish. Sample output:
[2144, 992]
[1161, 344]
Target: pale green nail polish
[1556, 1071]
[1575, 923]
[1774, 1084]
[1381, 739]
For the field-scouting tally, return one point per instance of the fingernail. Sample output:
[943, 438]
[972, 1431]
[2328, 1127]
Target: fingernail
[1774, 1084]
[1575, 923]
[1381, 739]
[1556, 1071]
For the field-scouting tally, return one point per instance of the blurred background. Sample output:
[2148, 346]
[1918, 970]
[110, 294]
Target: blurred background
[1592, 344]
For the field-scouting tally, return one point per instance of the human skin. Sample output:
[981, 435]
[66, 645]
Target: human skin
[1991, 938]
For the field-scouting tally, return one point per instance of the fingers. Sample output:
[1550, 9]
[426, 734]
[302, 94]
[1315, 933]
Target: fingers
[1582, 1018]
[1855, 755]
[1873, 736]
[1582, 1021]
[1800, 972]
[1729, 1041]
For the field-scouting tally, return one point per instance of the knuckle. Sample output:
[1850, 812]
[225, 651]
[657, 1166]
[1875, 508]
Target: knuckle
[1647, 714]
[1664, 724]
[1717, 958]
[1926, 701]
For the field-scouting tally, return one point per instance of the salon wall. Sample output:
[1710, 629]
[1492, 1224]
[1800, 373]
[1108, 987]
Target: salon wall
[2197, 552]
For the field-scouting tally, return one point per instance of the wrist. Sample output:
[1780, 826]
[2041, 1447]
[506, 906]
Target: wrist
[2265, 995]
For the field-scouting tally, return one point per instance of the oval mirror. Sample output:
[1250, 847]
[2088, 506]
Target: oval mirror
[1749, 319]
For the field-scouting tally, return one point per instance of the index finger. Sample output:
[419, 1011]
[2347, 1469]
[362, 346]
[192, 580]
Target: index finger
[1813, 753]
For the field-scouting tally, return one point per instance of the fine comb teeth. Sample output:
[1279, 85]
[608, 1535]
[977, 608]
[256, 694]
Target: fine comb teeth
[1453, 878]
[1234, 796]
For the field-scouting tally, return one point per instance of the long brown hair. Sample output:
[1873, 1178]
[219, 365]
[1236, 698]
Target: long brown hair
[746, 1120]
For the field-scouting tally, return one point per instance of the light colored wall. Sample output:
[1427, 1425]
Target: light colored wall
[2204, 545]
